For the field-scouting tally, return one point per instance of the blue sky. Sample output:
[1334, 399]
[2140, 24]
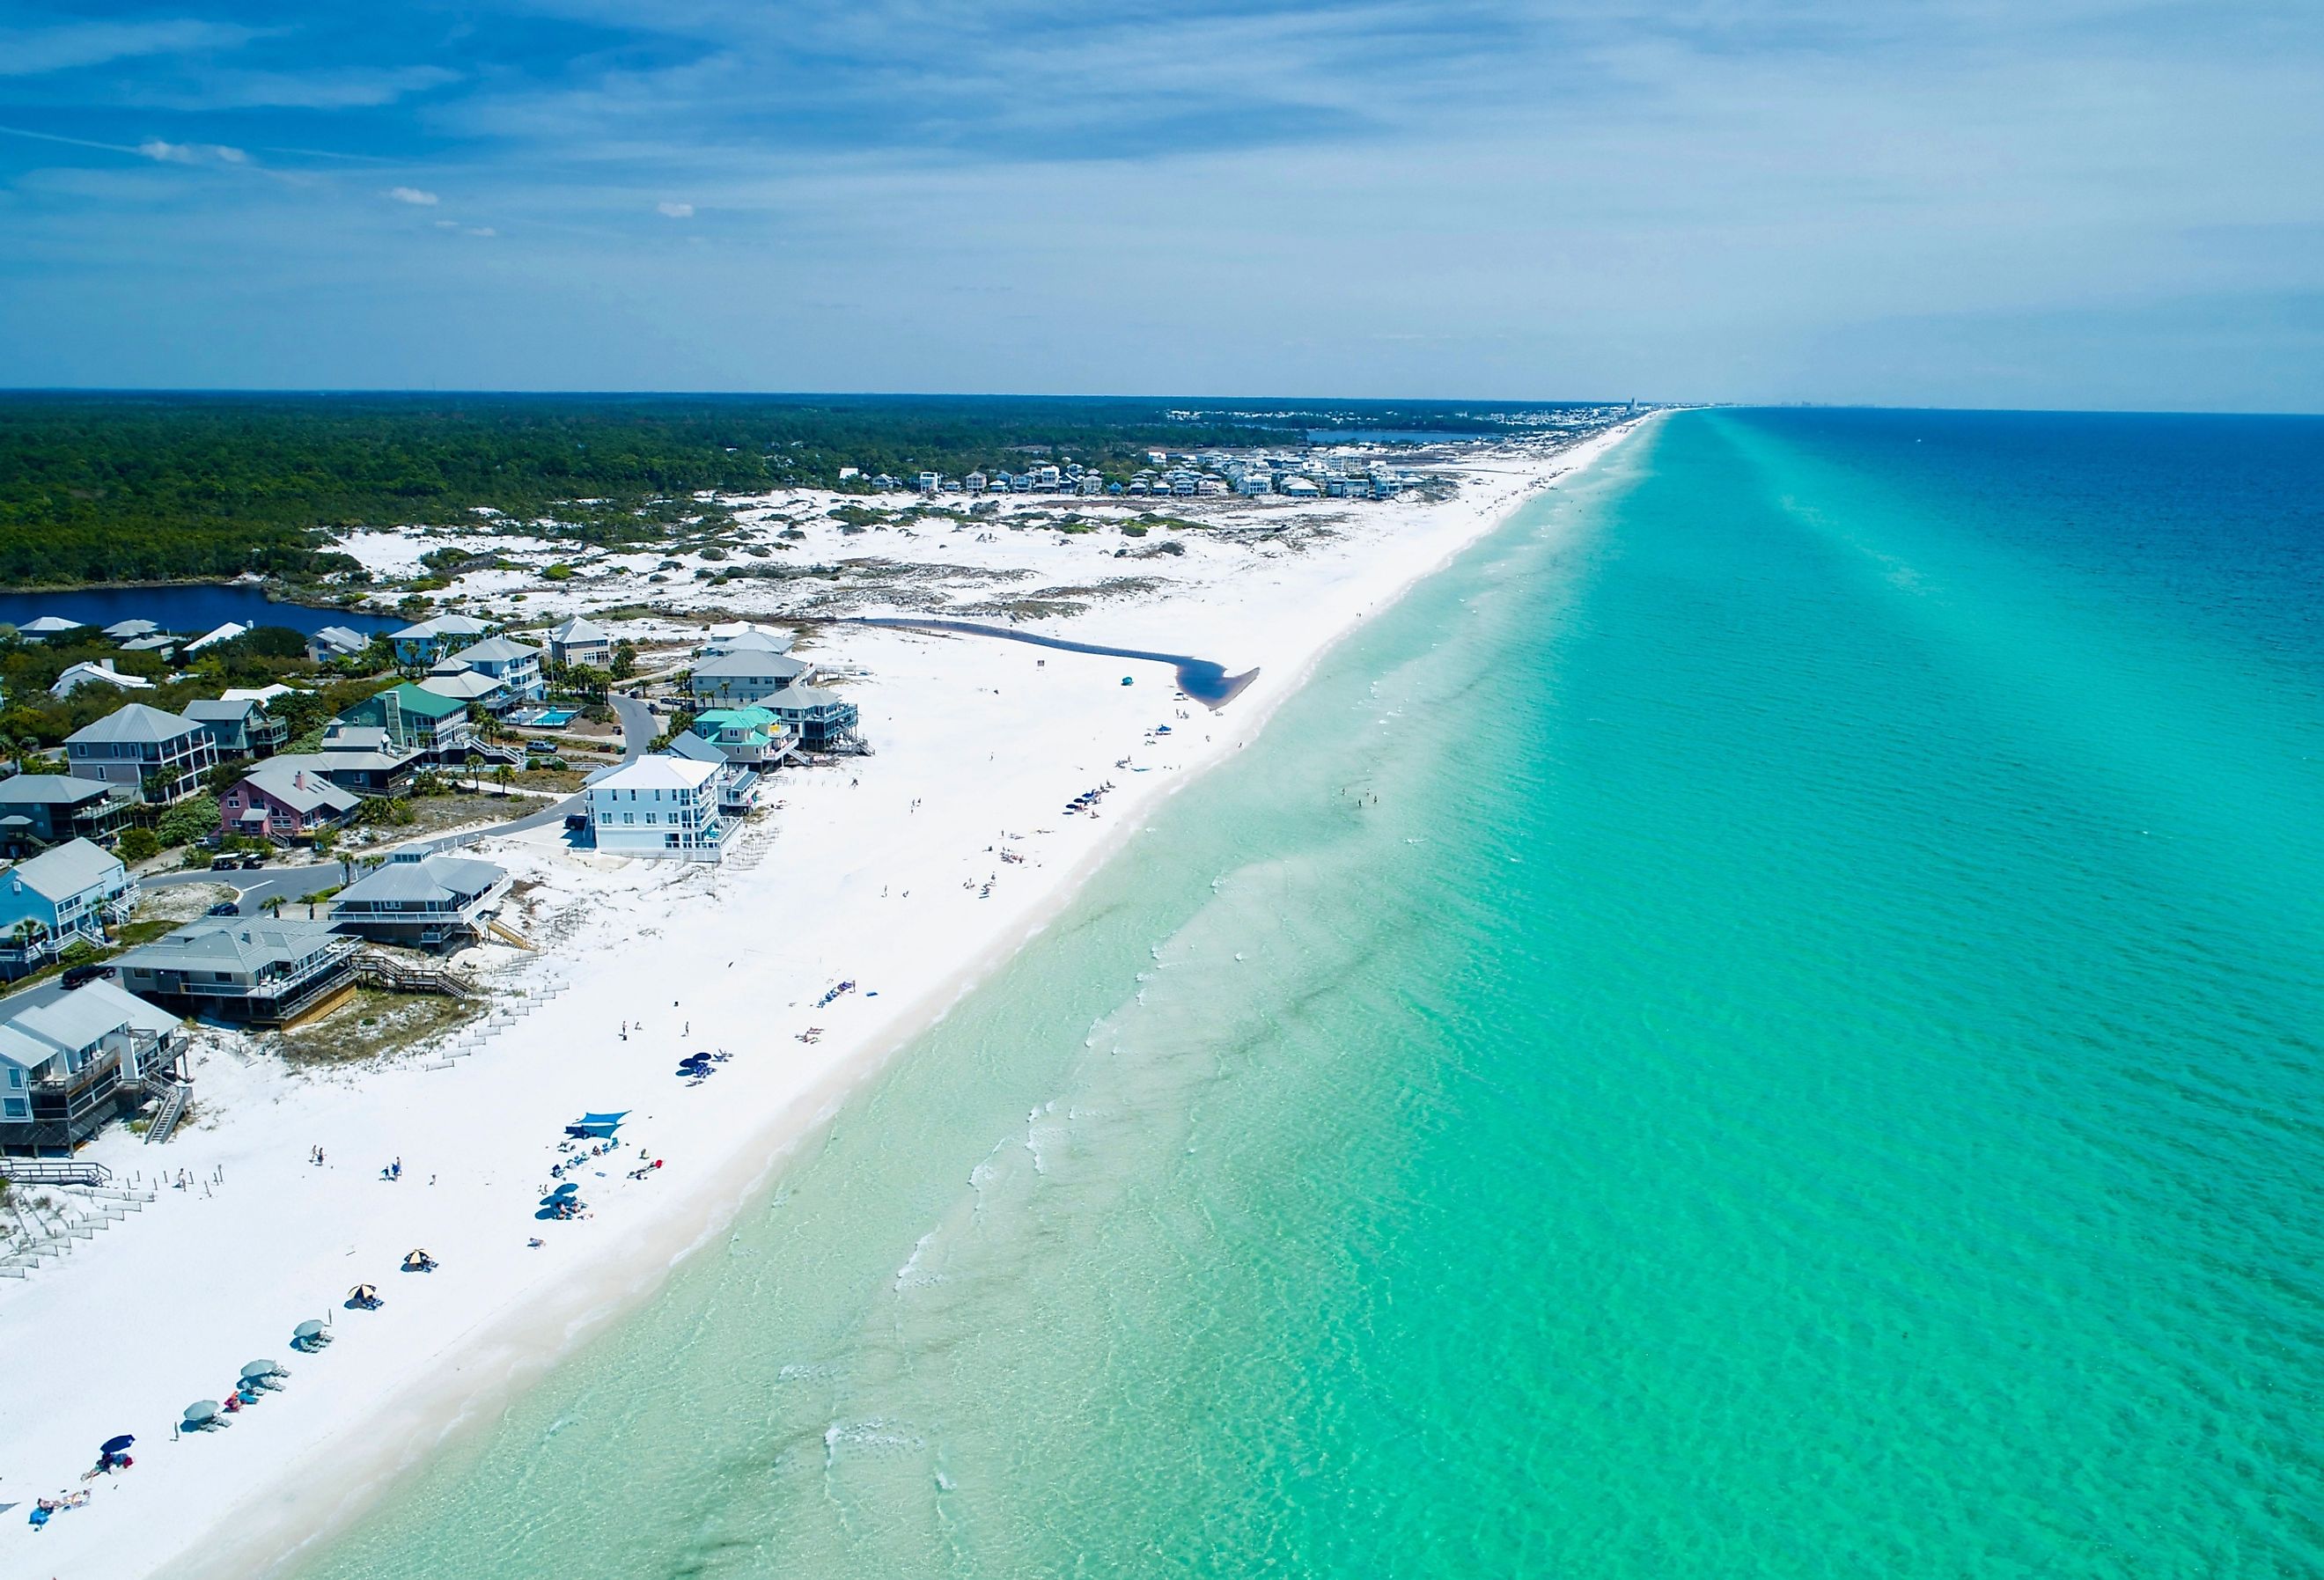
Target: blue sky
[1966, 202]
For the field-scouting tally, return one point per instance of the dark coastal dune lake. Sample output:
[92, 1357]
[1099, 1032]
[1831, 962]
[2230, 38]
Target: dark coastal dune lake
[184, 607]
[1767, 1023]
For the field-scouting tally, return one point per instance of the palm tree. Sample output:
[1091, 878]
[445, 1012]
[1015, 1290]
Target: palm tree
[502, 775]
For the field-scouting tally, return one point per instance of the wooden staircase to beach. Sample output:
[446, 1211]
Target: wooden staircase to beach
[376, 969]
[175, 1094]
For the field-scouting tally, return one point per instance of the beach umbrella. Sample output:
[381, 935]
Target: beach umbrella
[307, 1329]
[115, 1444]
[257, 1368]
[200, 1410]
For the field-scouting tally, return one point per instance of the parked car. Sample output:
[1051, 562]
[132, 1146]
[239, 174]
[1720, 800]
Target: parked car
[224, 908]
[82, 976]
[228, 862]
[541, 748]
[251, 863]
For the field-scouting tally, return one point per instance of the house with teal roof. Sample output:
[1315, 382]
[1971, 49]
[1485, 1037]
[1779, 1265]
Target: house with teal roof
[415, 719]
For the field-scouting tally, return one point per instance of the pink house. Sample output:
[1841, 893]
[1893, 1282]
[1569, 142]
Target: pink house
[284, 799]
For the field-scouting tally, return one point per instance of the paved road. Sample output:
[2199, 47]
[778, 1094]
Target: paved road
[256, 891]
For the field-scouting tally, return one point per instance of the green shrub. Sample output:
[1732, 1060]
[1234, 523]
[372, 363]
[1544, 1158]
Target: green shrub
[191, 819]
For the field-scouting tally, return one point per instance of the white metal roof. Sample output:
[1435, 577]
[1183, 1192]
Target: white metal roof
[656, 772]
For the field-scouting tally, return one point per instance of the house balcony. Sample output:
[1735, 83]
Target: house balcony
[271, 1000]
[81, 1100]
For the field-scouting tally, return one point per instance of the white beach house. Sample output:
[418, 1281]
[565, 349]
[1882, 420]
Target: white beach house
[100, 673]
[333, 642]
[431, 639]
[662, 806]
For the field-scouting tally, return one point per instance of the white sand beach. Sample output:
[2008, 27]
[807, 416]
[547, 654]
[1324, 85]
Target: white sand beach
[886, 871]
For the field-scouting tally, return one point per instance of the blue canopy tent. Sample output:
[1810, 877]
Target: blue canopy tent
[596, 1127]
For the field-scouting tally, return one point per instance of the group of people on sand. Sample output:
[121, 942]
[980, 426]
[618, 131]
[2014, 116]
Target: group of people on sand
[43, 1508]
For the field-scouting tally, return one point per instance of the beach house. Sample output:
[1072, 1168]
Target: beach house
[733, 636]
[414, 718]
[363, 758]
[334, 642]
[48, 627]
[99, 673]
[423, 901]
[72, 894]
[747, 735]
[737, 785]
[218, 635]
[130, 630]
[284, 799]
[57, 807]
[71, 1062]
[577, 643]
[431, 639]
[239, 727]
[742, 677]
[511, 663]
[658, 806]
[822, 720]
[158, 757]
[454, 679]
[243, 970]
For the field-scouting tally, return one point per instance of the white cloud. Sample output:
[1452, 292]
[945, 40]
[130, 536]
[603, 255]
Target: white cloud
[447, 225]
[191, 153]
[413, 195]
[29, 52]
[483, 230]
[676, 210]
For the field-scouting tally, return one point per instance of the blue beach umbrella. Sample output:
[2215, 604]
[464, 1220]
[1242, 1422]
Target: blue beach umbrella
[115, 1444]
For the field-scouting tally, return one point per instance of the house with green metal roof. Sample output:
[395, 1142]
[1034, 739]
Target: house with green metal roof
[414, 718]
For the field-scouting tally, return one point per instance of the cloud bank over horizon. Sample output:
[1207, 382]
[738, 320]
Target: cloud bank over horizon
[2095, 203]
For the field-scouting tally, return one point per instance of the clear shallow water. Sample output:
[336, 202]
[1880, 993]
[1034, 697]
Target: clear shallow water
[1809, 1067]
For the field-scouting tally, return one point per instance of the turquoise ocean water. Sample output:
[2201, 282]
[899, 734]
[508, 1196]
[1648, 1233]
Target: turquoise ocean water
[1765, 1023]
